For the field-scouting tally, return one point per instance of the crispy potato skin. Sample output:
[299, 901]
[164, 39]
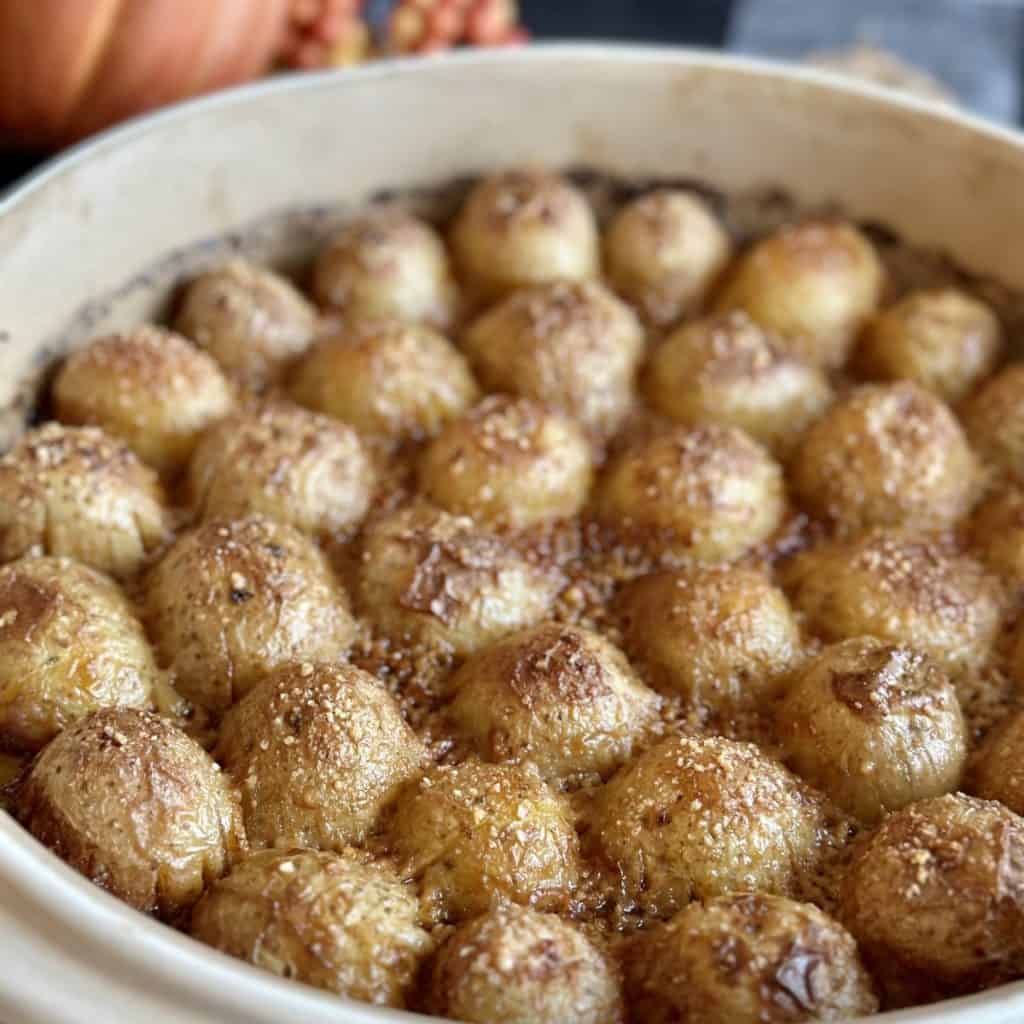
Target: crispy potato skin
[285, 462]
[135, 805]
[327, 919]
[571, 345]
[476, 835]
[151, 388]
[252, 321]
[233, 600]
[428, 577]
[726, 369]
[558, 697]
[935, 898]
[748, 958]
[78, 493]
[508, 462]
[876, 726]
[516, 965]
[390, 380]
[723, 638]
[651, 821]
[997, 771]
[387, 264]
[69, 645]
[663, 251]
[993, 418]
[815, 284]
[317, 751]
[522, 227]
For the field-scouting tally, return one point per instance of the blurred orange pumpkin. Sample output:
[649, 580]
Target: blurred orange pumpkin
[70, 67]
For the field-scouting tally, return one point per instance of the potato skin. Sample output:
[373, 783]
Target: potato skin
[69, 645]
[815, 284]
[151, 388]
[136, 806]
[723, 638]
[663, 252]
[942, 339]
[318, 751]
[747, 958]
[285, 462]
[508, 462]
[522, 227]
[518, 966]
[558, 697]
[78, 493]
[996, 535]
[476, 835]
[903, 590]
[704, 494]
[935, 898]
[231, 601]
[392, 381]
[696, 817]
[875, 726]
[887, 455]
[387, 263]
[251, 320]
[428, 577]
[993, 418]
[997, 769]
[727, 370]
[324, 919]
[571, 345]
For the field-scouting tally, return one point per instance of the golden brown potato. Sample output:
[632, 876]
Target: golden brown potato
[428, 577]
[281, 461]
[387, 263]
[725, 369]
[326, 920]
[707, 493]
[389, 380]
[994, 421]
[521, 227]
[318, 751]
[517, 966]
[231, 601]
[663, 251]
[998, 769]
[136, 806]
[722, 638]
[69, 644]
[151, 388]
[508, 462]
[875, 726]
[886, 455]
[903, 590]
[942, 339]
[251, 320]
[475, 835]
[558, 697]
[696, 817]
[747, 958]
[996, 534]
[571, 345]
[815, 284]
[935, 897]
[75, 492]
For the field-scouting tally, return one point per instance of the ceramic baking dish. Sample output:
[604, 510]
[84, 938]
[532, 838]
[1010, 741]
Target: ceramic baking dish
[98, 238]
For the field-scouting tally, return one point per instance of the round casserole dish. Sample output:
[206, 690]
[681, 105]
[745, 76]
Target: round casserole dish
[97, 239]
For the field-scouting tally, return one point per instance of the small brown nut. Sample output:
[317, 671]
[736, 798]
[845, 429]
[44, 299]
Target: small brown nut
[78, 493]
[318, 751]
[150, 387]
[747, 958]
[329, 920]
[136, 806]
